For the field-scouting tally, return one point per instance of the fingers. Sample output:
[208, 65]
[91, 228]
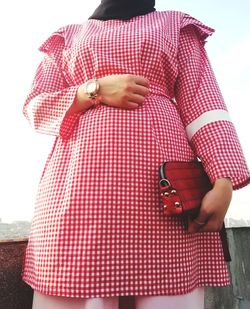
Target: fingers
[212, 225]
[140, 80]
[131, 105]
[195, 225]
[136, 98]
[203, 224]
[129, 91]
[141, 90]
[212, 212]
[141, 86]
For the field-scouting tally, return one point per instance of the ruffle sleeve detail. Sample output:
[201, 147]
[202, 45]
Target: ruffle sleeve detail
[203, 110]
[51, 43]
[202, 30]
[50, 95]
[63, 37]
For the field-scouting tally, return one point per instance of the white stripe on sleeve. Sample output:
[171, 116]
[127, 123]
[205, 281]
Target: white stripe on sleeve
[204, 119]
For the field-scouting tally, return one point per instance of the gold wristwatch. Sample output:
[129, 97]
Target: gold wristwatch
[91, 88]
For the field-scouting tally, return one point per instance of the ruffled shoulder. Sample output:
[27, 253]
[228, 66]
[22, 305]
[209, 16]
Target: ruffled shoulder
[63, 38]
[203, 30]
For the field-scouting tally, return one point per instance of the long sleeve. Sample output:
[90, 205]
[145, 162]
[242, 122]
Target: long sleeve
[50, 96]
[203, 111]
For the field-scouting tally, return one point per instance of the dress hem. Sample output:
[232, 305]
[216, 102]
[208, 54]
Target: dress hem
[101, 295]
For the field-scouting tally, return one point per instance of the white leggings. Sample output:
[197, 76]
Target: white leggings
[193, 300]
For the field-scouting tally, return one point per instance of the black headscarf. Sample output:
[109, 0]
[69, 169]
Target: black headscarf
[122, 9]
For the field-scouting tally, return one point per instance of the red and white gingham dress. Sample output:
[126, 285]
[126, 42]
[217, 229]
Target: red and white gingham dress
[98, 229]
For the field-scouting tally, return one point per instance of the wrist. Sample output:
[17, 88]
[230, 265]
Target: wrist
[82, 98]
[100, 90]
[224, 182]
[91, 89]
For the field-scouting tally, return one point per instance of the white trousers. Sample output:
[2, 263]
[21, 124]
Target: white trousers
[193, 300]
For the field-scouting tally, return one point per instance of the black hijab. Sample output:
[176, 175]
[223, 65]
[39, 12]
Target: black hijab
[122, 9]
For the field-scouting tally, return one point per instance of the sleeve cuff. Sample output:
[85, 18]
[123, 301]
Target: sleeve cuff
[219, 149]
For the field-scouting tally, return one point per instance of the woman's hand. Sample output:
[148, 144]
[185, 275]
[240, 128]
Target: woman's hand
[124, 91]
[213, 208]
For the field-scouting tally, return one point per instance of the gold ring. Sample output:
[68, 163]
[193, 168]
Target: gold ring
[198, 222]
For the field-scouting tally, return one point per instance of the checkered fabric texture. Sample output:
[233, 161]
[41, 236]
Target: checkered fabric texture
[98, 228]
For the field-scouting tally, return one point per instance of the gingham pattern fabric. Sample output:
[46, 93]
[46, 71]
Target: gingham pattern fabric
[98, 228]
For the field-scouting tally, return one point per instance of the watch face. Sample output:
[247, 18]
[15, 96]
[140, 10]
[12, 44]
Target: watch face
[91, 87]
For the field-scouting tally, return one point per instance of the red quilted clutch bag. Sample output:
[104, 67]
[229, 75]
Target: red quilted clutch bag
[183, 186]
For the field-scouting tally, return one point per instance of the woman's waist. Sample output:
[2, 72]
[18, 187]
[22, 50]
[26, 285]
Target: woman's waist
[160, 91]
[157, 108]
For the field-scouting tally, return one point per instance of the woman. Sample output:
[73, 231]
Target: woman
[121, 93]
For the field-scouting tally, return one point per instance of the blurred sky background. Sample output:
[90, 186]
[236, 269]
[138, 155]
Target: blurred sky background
[26, 24]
